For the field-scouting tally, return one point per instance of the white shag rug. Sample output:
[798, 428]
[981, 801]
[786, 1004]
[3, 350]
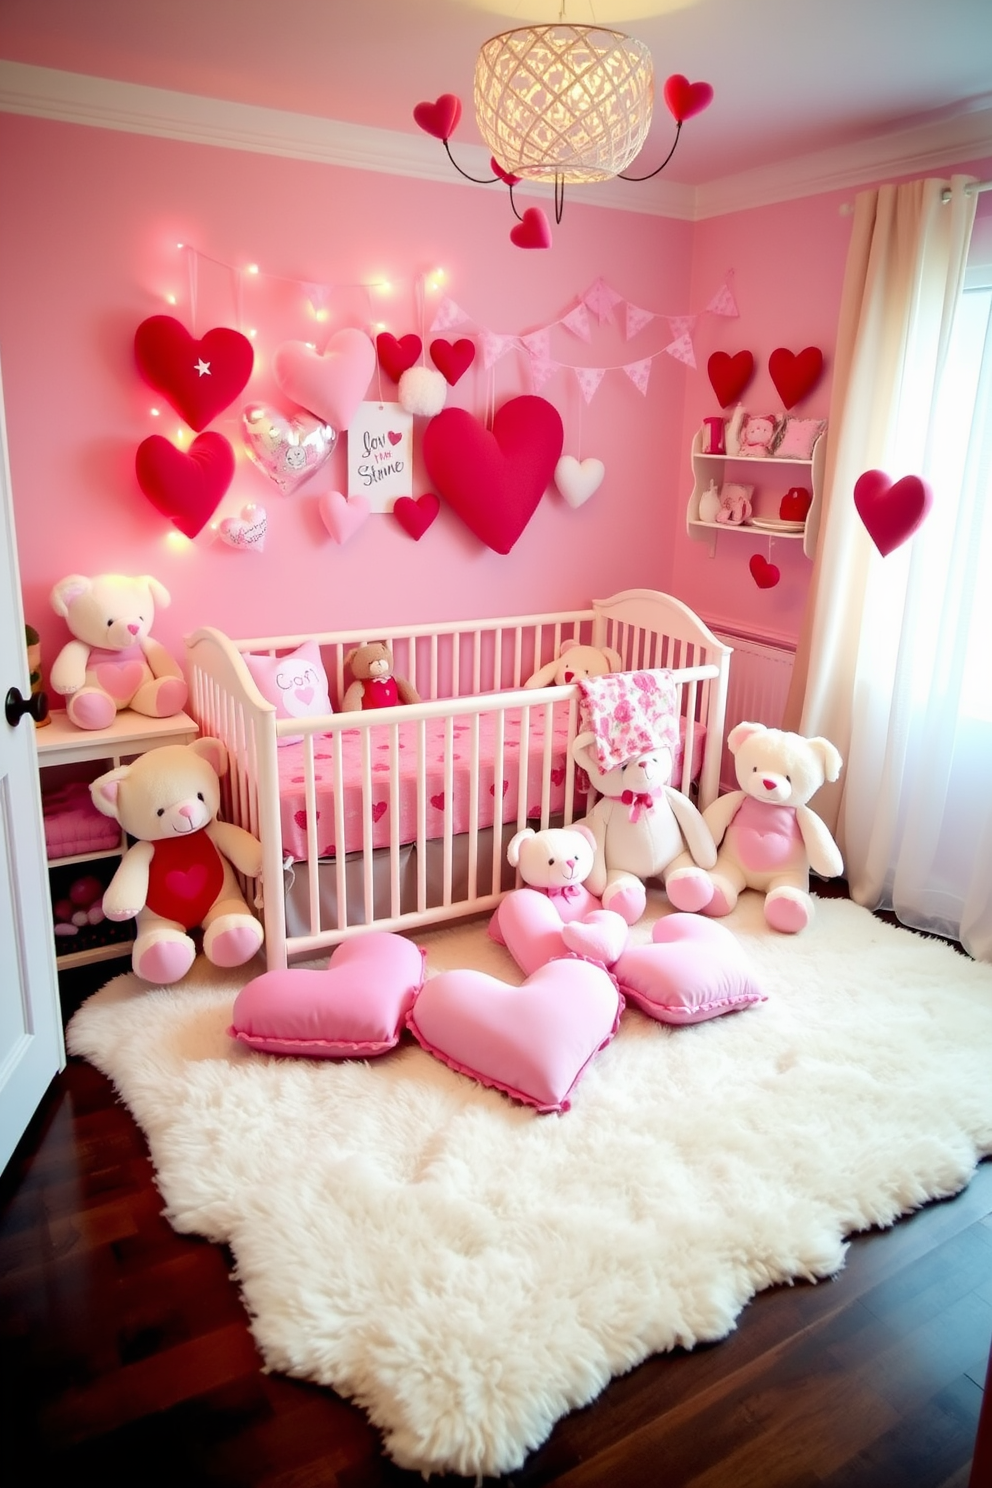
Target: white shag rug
[469, 1271]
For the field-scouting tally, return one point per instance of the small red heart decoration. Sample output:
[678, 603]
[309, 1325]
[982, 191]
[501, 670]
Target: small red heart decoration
[795, 504]
[453, 359]
[494, 479]
[795, 374]
[684, 99]
[396, 357]
[503, 175]
[532, 231]
[199, 378]
[766, 575]
[186, 488]
[439, 119]
[416, 516]
[729, 375]
[891, 511]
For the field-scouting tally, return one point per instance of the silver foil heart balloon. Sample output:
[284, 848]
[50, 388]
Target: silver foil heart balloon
[289, 448]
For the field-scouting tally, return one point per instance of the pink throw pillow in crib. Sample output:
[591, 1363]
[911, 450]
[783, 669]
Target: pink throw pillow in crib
[532, 1042]
[694, 969]
[356, 1007]
[295, 684]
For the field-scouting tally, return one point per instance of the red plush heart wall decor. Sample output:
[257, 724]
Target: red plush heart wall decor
[397, 356]
[186, 488]
[891, 510]
[495, 479]
[199, 378]
[795, 373]
[766, 575]
[729, 375]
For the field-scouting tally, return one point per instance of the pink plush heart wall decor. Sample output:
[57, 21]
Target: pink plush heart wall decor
[199, 378]
[795, 374]
[495, 479]
[452, 359]
[891, 510]
[332, 384]
[730, 375]
[356, 1007]
[532, 1042]
[342, 515]
[397, 356]
[185, 487]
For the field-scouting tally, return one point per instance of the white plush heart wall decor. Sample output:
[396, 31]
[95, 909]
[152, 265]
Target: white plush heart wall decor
[246, 531]
[578, 480]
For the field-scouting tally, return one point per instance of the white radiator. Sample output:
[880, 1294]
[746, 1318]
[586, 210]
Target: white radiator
[760, 674]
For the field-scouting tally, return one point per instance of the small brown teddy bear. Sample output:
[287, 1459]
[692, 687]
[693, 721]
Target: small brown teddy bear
[374, 685]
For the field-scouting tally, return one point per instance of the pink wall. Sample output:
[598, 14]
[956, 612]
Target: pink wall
[89, 254]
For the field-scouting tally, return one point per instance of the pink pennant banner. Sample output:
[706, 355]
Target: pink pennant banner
[495, 346]
[541, 369]
[640, 373]
[318, 295]
[538, 343]
[681, 325]
[682, 350]
[601, 299]
[589, 379]
[448, 314]
[723, 302]
[636, 320]
[577, 321]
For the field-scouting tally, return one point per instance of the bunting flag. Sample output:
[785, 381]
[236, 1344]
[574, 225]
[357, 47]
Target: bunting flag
[682, 350]
[723, 302]
[541, 369]
[589, 379]
[318, 295]
[577, 321]
[538, 343]
[495, 346]
[682, 325]
[639, 373]
[601, 300]
[448, 314]
[637, 319]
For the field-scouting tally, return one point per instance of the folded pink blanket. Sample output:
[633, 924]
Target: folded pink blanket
[72, 823]
[629, 713]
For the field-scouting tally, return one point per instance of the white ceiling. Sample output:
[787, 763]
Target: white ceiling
[791, 77]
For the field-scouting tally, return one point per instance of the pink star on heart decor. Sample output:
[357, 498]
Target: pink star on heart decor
[557, 65]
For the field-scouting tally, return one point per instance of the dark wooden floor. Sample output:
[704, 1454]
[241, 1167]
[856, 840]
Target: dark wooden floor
[127, 1357]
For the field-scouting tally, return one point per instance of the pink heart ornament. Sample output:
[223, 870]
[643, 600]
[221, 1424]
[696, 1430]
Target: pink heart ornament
[332, 384]
[693, 970]
[356, 1007]
[342, 515]
[891, 511]
[578, 480]
[532, 1042]
[247, 531]
[289, 449]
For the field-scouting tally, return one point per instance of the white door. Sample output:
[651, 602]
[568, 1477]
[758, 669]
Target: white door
[31, 1047]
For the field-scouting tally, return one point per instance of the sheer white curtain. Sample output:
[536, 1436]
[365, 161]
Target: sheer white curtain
[894, 663]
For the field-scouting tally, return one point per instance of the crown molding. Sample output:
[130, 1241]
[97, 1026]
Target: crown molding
[104, 103]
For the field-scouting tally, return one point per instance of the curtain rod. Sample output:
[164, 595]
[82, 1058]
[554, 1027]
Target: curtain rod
[974, 188]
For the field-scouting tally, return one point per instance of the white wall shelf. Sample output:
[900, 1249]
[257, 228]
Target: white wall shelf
[771, 478]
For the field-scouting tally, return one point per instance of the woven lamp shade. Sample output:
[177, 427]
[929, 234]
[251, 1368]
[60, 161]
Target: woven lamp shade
[571, 103]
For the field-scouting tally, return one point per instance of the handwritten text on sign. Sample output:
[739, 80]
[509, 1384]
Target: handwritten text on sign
[380, 454]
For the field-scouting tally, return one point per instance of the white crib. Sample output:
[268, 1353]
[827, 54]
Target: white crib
[424, 797]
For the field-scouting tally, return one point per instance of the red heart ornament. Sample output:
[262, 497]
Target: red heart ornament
[729, 375]
[794, 375]
[198, 378]
[795, 504]
[766, 575]
[185, 487]
[532, 231]
[416, 516]
[503, 175]
[494, 480]
[452, 360]
[396, 357]
[439, 119]
[891, 511]
[683, 99]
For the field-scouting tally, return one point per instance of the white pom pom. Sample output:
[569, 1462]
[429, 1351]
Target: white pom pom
[423, 391]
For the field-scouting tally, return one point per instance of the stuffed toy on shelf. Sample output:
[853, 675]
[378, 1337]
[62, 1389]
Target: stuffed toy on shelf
[555, 913]
[374, 685]
[178, 874]
[767, 837]
[113, 662]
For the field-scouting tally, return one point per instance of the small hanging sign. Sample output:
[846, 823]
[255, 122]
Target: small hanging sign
[380, 454]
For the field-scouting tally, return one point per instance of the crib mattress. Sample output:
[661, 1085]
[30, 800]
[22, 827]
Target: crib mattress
[438, 807]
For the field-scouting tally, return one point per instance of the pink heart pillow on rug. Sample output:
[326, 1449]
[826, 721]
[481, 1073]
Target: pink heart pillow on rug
[356, 1007]
[532, 1042]
[688, 973]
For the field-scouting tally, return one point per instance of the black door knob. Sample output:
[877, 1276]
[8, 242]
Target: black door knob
[15, 707]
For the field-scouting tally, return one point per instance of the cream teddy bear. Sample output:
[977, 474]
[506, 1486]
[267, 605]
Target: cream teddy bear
[177, 875]
[644, 828]
[575, 661]
[768, 838]
[113, 661]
